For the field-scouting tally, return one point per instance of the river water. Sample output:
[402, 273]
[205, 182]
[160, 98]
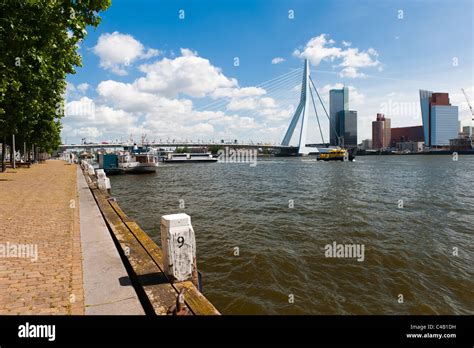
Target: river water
[412, 215]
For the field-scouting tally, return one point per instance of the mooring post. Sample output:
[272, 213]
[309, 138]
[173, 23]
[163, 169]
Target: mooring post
[90, 170]
[179, 248]
[103, 182]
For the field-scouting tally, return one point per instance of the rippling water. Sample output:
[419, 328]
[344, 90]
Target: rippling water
[408, 250]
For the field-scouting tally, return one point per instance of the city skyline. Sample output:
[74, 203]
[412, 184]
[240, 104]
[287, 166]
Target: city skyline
[154, 72]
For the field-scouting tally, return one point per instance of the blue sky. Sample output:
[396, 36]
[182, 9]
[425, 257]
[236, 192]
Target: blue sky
[384, 60]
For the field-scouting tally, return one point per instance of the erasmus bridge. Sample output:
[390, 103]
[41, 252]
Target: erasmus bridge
[281, 88]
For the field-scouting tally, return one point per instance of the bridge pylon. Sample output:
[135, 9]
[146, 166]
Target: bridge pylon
[302, 111]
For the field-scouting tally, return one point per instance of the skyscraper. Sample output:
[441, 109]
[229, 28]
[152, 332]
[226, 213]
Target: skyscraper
[440, 118]
[381, 132]
[425, 113]
[348, 127]
[338, 101]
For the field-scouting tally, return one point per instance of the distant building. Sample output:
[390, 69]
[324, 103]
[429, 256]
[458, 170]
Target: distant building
[410, 146]
[338, 102]
[381, 132]
[468, 130]
[461, 143]
[404, 134]
[366, 144]
[464, 140]
[440, 118]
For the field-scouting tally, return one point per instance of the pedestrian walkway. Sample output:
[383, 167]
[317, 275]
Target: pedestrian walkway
[40, 248]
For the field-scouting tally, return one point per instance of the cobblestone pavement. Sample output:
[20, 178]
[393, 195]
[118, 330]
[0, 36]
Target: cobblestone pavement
[39, 210]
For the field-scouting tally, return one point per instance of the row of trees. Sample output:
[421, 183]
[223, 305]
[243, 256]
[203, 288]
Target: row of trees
[39, 46]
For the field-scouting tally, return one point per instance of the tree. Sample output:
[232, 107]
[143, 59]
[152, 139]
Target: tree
[39, 41]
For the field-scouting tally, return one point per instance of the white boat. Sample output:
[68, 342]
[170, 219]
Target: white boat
[137, 163]
[189, 158]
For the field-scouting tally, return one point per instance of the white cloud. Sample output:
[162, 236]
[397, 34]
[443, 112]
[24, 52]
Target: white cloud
[319, 49]
[354, 58]
[117, 51]
[346, 43]
[238, 92]
[277, 60]
[106, 118]
[75, 92]
[88, 132]
[251, 103]
[350, 72]
[188, 74]
[82, 109]
[83, 87]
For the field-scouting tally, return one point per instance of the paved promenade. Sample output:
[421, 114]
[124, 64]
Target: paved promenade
[56, 253]
[40, 248]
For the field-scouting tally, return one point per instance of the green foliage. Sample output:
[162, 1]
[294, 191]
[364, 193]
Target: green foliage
[215, 148]
[182, 149]
[39, 41]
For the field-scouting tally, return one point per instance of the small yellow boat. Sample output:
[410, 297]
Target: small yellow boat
[336, 155]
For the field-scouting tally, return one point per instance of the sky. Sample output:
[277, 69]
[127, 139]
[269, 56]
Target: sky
[232, 69]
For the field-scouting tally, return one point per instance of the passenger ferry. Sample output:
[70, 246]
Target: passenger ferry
[336, 155]
[189, 158]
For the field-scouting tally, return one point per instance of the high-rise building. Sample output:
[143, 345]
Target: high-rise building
[348, 127]
[381, 132]
[440, 118]
[338, 101]
[425, 114]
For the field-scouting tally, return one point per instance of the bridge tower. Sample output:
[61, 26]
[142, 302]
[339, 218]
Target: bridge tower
[302, 111]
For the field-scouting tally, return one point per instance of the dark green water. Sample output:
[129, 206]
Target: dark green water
[408, 250]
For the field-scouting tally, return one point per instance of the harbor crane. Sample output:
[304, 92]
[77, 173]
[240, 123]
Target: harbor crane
[468, 103]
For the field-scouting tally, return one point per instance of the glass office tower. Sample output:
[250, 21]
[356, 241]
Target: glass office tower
[440, 118]
[338, 101]
[348, 127]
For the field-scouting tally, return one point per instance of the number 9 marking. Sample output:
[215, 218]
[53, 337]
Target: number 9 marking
[180, 241]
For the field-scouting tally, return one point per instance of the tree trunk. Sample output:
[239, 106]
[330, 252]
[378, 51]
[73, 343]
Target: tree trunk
[4, 149]
[13, 158]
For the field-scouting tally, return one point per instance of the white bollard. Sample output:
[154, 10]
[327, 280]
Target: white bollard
[103, 182]
[107, 184]
[179, 247]
[100, 173]
[90, 170]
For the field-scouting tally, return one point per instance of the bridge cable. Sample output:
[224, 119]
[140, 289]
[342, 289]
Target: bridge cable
[316, 112]
[278, 82]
